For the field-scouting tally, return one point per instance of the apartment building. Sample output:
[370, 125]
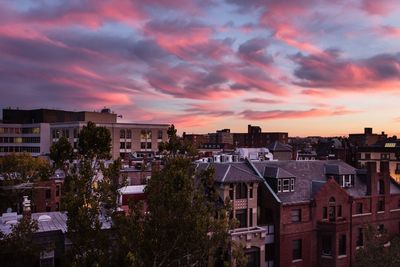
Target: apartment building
[239, 182]
[256, 138]
[34, 131]
[320, 209]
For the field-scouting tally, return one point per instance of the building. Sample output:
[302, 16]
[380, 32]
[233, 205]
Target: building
[239, 182]
[256, 138]
[320, 209]
[367, 138]
[195, 139]
[385, 152]
[280, 150]
[34, 131]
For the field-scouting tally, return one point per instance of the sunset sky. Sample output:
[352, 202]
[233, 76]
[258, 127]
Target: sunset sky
[308, 67]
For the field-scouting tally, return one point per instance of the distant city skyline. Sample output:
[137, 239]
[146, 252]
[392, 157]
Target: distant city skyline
[307, 67]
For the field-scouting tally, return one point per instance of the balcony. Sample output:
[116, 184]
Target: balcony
[265, 233]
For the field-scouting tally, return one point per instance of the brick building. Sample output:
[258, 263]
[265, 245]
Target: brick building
[256, 138]
[320, 209]
[239, 182]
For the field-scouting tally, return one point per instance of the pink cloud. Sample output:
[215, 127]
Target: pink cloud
[329, 70]
[293, 114]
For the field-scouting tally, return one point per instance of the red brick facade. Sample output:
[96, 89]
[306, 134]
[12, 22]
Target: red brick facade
[331, 224]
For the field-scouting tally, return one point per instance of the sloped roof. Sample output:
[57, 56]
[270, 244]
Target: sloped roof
[307, 173]
[278, 146]
[231, 172]
[276, 172]
[339, 169]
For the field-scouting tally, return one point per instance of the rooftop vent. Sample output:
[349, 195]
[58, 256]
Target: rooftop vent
[44, 218]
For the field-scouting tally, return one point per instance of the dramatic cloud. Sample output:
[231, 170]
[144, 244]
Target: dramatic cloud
[201, 63]
[292, 114]
[329, 70]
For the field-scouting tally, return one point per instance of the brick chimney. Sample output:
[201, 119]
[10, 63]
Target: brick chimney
[385, 174]
[26, 207]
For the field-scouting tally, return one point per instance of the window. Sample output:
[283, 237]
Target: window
[296, 215]
[360, 237]
[48, 208]
[145, 134]
[381, 228]
[231, 191]
[159, 134]
[48, 193]
[342, 245]
[57, 190]
[381, 187]
[367, 156]
[128, 145]
[122, 145]
[128, 134]
[359, 208]
[251, 217]
[149, 145]
[326, 244]
[241, 191]
[241, 216]
[385, 156]
[339, 212]
[296, 253]
[332, 213]
[286, 185]
[381, 205]
[347, 181]
[122, 134]
[292, 185]
[279, 185]
[143, 145]
[325, 213]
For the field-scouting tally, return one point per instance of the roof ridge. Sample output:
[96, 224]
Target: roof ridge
[226, 173]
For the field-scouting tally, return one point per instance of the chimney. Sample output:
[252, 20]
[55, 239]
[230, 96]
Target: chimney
[371, 178]
[384, 168]
[367, 131]
[26, 208]
[155, 165]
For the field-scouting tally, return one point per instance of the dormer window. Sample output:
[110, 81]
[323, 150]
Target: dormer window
[285, 185]
[347, 180]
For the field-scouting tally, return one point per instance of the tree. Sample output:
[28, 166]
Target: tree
[22, 167]
[90, 196]
[378, 250]
[175, 145]
[186, 224]
[61, 152]
[17, 247]
[17, 169]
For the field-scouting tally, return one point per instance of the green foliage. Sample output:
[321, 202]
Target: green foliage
[18, 248]
[185, 224]
[94, 142]
[175, 145]
[375, 253]
[90, 198]
[22, 167]
[61, 152]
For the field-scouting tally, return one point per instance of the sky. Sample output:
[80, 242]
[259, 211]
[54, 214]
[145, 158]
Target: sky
[307, 67]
